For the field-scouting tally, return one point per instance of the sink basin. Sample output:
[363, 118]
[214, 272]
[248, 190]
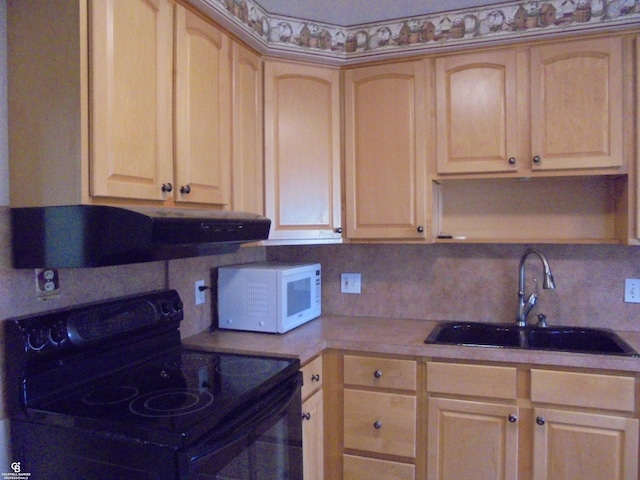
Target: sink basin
[506, 335]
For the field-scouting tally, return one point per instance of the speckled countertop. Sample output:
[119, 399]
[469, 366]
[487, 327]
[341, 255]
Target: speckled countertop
[397, 337]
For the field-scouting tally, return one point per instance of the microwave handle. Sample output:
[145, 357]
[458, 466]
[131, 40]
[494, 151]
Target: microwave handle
[244, 424]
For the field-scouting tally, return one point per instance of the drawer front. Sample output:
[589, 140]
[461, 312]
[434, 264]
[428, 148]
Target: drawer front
[587, 390]
[362, 468]
[380, 372]
[380, 422]
[311, 377]
[474, 380]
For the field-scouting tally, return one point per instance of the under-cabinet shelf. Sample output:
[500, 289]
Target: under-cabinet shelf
[573, 209]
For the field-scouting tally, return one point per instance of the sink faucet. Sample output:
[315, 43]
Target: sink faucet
[525, 306]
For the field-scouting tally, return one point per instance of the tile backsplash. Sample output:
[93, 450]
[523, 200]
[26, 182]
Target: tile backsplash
[476, 282]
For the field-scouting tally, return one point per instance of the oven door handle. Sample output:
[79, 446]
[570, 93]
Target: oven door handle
[244, 423]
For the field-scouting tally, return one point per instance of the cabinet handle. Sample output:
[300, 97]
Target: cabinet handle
[513, 418]
[185, 189]
[315, 377]
[377, 373]
[337, 230]
[537, 160]
[306, 416]
[167, 187]
[540, 421]
[512, 160]
[420, 229]
[377, 424]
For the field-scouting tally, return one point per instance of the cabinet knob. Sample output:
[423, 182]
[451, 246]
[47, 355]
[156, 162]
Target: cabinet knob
[377, 424]
[537, 160]
[513, 418]
[167, 187]
[541, 421]
[512, 160]
[315, 377]
[185, 189]
[306, 416]
[337, 230]
[420, 229]
[377, 373]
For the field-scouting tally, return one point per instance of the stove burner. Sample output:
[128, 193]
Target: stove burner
[171, 403]
[192, 361]
[110, 395]
[244, 368]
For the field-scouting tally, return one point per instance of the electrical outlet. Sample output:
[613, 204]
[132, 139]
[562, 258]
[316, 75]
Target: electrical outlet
[632, 290]
[350, 283]
[199, 292]
[47, 282]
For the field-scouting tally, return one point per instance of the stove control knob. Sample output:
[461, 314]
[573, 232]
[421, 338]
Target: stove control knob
[58, 333]
[165, 308]
[38, 338]
[177, 305]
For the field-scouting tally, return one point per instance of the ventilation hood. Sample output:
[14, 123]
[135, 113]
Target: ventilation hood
[98, 236]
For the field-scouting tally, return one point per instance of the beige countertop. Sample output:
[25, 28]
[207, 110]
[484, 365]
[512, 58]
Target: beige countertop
[396, 337]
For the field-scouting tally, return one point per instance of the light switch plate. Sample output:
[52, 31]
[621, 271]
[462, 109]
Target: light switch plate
[350, 283]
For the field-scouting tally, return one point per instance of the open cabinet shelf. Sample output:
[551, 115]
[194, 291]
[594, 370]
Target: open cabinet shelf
[579, 209]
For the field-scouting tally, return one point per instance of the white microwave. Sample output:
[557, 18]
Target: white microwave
[268, 297]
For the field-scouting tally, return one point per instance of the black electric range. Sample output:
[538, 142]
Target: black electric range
[117, 371]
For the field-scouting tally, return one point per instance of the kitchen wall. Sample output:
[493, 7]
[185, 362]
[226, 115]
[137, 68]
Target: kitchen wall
[476, 282]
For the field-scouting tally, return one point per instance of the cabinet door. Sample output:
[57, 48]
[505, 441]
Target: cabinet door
[131, 98]
[247, 165]
[385, 151]
[476, 112]
[576, 104]
[302, 151]
[472, 440]
[585, 446]
[203, 111]
[313, 437]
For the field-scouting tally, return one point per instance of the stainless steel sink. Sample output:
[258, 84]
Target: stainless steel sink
[507, 335]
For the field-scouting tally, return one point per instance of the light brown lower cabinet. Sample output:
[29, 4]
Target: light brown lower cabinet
[362, 468]
[472, 440]
[313, 420]
[584, 446]
[402, 419]
[380, 418]
[521, 423]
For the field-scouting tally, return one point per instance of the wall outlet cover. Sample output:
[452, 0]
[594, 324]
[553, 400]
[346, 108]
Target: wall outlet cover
[632, 290]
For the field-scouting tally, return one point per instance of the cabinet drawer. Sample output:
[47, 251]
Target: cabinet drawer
[475, 380]
[587, 390]
[311, 377]
[361, 468]
[380, 422]
[380, 372]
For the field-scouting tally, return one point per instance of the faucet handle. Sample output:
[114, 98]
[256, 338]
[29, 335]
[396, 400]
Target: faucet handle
[542, 320]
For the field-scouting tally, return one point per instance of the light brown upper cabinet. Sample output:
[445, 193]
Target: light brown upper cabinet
[576, 105]
[92, 104]
[302, 151]
[248, 138]
[549, 107]
[203, 112]
[131, 128]
[130, 99]
[385, 152]
[477, 126]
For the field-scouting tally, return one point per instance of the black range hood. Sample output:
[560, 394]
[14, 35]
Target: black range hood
[98, 236]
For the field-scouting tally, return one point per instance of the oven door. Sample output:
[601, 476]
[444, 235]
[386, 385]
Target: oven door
[262, 442]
